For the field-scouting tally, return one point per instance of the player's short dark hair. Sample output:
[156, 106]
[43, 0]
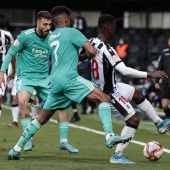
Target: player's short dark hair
[105, 19]
[58, 10]
[44, 14]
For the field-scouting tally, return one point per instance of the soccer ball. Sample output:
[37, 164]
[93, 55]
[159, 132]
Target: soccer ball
[153, 151]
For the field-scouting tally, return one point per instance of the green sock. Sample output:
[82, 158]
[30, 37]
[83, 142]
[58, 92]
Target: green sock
[63, 129]
[25, 122]
[105, 117]
[29, 131]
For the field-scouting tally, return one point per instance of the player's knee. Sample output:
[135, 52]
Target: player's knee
[138, 97]
[133, 121]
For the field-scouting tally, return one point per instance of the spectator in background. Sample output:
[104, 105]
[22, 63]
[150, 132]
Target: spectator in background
[79, 22]
[122, 50]
[152, 94]
[164, 62]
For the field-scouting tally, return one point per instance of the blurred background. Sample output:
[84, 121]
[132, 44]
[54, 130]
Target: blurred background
[143, 26]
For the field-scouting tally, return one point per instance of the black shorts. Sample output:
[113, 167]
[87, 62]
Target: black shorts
[165, 91]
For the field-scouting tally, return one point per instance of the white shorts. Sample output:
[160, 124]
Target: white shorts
[14, 90]
[122, 97]
[2, 90]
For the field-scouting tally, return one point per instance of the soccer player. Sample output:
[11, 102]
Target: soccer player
[66, 84]
[103, 67]
[163, 64]
[32, 69]
[6, 39]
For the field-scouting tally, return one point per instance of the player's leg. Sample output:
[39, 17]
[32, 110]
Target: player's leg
[144, 106]
[43, 92]
[15, 111]
[75, 116]
[2, 93]
[165, 99]
[14, 106]
[52, 103]
[165, 106]
[126, 113]
[24, 88]
[63, 130]
[85, 88]
[28, 133]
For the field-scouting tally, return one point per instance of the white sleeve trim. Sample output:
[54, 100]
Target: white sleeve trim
[130, 72]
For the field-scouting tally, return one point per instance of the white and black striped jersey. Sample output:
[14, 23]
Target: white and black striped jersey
[103, 64]
[6, 39]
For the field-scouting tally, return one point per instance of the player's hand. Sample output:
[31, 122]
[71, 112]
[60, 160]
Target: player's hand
[2, 80]
[157, 74]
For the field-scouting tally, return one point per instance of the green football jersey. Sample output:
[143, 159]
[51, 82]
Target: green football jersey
[32, 55]
[64, 45]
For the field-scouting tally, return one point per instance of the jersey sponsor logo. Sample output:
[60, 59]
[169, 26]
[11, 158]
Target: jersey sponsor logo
[40, 53]
[16, 43]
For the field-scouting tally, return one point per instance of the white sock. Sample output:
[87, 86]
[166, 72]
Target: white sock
[15, 113]
[126, 131]
[34, 111]
[148, 109]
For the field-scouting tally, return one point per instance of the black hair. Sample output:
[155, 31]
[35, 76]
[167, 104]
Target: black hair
[58, 10]
[105, 19]
[44, 14]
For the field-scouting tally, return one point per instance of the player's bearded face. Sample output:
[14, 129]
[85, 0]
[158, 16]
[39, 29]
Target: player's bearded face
[44, 27]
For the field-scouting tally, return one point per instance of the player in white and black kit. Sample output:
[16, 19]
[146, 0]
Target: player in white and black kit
[103, 67]
[6, 39]
[164, 62]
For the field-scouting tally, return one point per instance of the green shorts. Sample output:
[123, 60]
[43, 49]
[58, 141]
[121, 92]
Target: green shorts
[42, 86]
[75, 92]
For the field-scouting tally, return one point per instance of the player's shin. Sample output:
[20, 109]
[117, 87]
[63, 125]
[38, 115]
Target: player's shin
[105, 117]
[29, 131]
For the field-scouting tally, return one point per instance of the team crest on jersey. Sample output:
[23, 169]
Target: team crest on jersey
[16, 43]
[128, 106]
[115, 58]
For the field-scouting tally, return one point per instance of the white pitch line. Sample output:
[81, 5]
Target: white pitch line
[90, 130]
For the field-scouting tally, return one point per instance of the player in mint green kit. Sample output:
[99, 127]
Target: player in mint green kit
[32, 68]
[66, 84]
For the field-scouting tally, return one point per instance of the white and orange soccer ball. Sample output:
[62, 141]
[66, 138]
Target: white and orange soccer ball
[153, 151]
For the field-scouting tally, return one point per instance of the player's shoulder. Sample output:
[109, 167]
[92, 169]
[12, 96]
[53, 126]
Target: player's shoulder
[28, 32]
[6, 32]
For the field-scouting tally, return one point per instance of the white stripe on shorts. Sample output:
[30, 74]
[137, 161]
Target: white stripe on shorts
[85, 82]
